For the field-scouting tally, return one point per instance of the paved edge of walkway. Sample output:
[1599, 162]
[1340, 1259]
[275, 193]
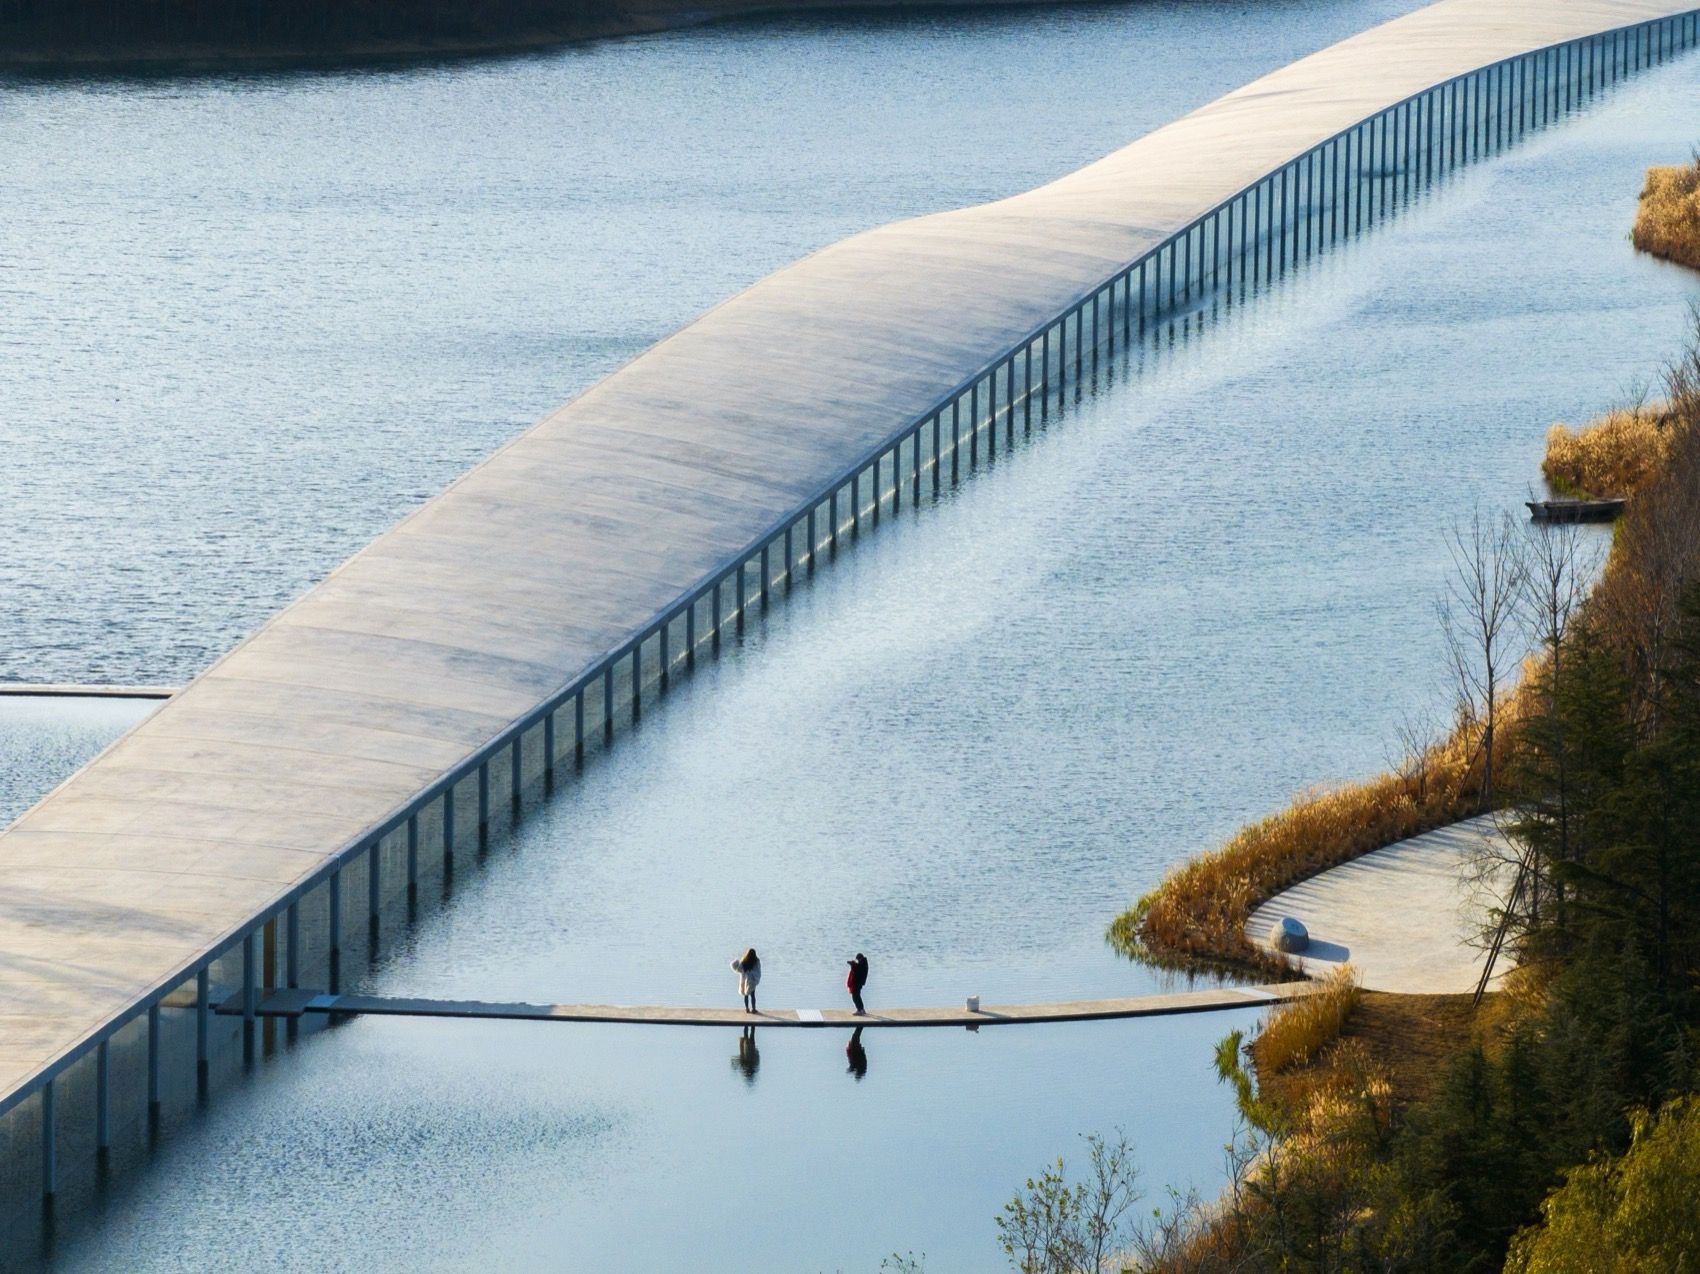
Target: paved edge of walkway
[1407, 916]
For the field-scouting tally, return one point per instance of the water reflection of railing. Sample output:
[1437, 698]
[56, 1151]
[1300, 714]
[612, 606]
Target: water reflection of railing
[1332, 190]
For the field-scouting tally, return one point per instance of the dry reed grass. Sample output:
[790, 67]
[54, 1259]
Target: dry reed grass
[1199, 911]
[1298, 1031]
[1612, 458]
[1667, 222]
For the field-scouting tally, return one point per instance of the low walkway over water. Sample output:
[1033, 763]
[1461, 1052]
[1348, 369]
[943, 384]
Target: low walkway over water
[1410, 917]
[295, 1003]
[367, 723]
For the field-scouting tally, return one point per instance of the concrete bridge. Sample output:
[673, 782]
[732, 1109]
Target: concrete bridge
[452, 668]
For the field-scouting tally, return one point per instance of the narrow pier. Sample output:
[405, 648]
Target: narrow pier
[294, 1004]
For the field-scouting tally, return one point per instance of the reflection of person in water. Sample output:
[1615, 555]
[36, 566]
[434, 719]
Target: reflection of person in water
[854, 1053]
[748, 1060]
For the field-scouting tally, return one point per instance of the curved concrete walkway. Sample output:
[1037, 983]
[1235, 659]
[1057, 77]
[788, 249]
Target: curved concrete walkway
[1408, 918]
[295, 1003]
[411, 664]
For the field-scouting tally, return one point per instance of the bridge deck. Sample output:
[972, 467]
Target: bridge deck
[295, 1003]
[428, 646]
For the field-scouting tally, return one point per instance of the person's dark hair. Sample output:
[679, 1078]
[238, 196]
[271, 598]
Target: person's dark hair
[749, 958]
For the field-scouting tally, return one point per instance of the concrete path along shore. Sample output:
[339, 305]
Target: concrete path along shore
[1409, 917]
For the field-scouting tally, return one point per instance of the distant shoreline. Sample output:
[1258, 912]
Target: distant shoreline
[514, 27]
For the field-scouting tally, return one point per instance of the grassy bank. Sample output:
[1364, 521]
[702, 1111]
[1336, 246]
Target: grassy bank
[1612, 458]
[1667, 222]
[1197, 915]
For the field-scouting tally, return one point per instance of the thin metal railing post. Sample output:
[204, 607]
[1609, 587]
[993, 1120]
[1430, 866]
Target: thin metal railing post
[516, 772]
[103, 1097]
[250, 984]
[335, 892]
[49, 1143]
[153, 1060]
[449, 804]
[203, 1021]
[292, 928]
[484, 797]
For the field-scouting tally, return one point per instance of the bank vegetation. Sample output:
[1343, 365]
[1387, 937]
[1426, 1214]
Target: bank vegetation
[1557, 1128]
[1667, 221]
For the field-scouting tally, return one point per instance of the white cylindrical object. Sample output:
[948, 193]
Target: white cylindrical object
[973, 1004]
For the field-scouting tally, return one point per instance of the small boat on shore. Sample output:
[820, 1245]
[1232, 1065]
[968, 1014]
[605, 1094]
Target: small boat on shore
[1575, 510]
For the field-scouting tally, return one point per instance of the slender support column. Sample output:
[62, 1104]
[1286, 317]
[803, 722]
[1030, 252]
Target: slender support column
[449, 798]
[251, 978]
[740, 596]
[790, 558]
[915, 469]
[412, 854]
[516, 776]
[578, 718]
[974, 425]
[955, 437]
[335, 937]
[153, 1060]
[484, 794]
[103, 1097]
[548, 777]
[938, 463]
[637, 676]
[607, 713]
[1045, 367]
[662, 635]
[203, 1026]
[832, 531]
[49, 1143]
[855, 525]
[374, 887]
[292, 933]
[1009, 398]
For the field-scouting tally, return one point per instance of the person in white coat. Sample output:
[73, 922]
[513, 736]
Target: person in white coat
[748, 969]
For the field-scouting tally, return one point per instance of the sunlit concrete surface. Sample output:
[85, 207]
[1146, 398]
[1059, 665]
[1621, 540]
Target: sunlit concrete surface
[1408, 918]
[294, 1003]
[507, 587]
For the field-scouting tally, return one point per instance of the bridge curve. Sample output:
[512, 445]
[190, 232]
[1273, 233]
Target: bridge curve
[507, 625]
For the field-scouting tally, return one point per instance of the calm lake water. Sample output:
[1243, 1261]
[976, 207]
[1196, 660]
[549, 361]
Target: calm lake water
[307, 302]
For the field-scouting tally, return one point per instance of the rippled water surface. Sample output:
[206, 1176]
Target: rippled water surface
[962, 749]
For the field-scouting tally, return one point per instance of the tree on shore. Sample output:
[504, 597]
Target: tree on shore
[1478, 618]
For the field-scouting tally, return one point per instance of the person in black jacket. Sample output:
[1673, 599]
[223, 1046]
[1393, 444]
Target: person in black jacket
[855, 980]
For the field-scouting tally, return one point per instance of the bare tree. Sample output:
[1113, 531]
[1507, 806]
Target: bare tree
[1478, 616]
[1559, 565]
[1412, 752]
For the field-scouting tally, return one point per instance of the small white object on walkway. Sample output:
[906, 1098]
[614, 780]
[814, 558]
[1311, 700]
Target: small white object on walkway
[1408, 917]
